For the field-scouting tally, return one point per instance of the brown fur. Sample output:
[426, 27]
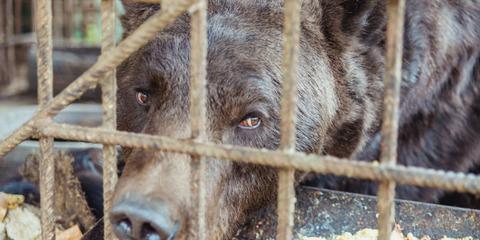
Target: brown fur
[340, 97]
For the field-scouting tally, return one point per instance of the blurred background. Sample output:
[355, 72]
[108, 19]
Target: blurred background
[76, 47]
[76, 40]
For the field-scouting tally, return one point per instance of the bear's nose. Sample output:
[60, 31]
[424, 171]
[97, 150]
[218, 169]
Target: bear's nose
[141, 220]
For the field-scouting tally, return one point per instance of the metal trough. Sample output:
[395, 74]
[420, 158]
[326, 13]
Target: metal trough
[323, 213]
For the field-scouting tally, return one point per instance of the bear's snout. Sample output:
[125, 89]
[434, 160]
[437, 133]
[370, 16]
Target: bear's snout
[142, 219]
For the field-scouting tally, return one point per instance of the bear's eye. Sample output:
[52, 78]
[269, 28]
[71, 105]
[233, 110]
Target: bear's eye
[250, 123]
[142, 97]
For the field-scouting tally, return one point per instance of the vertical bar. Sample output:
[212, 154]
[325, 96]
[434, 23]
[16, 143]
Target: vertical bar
[386, 194]
[58, 20]
[198, 72]
[286, 177]
[9, 39]
[109, 89]
[18, 16]
[43, 20]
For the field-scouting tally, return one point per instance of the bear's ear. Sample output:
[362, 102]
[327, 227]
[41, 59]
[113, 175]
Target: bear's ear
[362, 15]
[136, 13]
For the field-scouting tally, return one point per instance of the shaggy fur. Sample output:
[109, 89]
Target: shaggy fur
[341, 67]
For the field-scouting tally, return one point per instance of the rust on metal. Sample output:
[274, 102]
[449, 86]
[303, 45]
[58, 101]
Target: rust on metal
[44, 52]
[393, 76]
[109, 103]
[45, 95]
[198, 101]
[288, 118]
[409, 175]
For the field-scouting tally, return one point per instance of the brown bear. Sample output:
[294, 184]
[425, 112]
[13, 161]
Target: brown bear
[340, 89]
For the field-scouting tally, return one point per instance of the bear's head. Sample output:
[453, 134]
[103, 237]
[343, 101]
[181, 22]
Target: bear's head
[339, 87]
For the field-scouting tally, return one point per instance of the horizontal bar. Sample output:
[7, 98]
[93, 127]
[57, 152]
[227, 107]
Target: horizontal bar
[106, 63]
[415, 176]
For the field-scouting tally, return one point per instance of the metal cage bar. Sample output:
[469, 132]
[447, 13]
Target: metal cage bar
[393, 74]
[285, 159]
[45, 95]
[198, 102]
[415, 176]
[109, 101]
[288, 118]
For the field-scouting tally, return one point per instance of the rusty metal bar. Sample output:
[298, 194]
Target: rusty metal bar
[286, 176]
[17, 137]
[45, 95]
[393, 73]
[198, 102]
[352, 168]
[109, 99]
[107, 62]
[47, 183]
[285, 203]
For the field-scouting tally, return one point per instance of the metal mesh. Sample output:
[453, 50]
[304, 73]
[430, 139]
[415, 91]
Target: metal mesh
[285, 159]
